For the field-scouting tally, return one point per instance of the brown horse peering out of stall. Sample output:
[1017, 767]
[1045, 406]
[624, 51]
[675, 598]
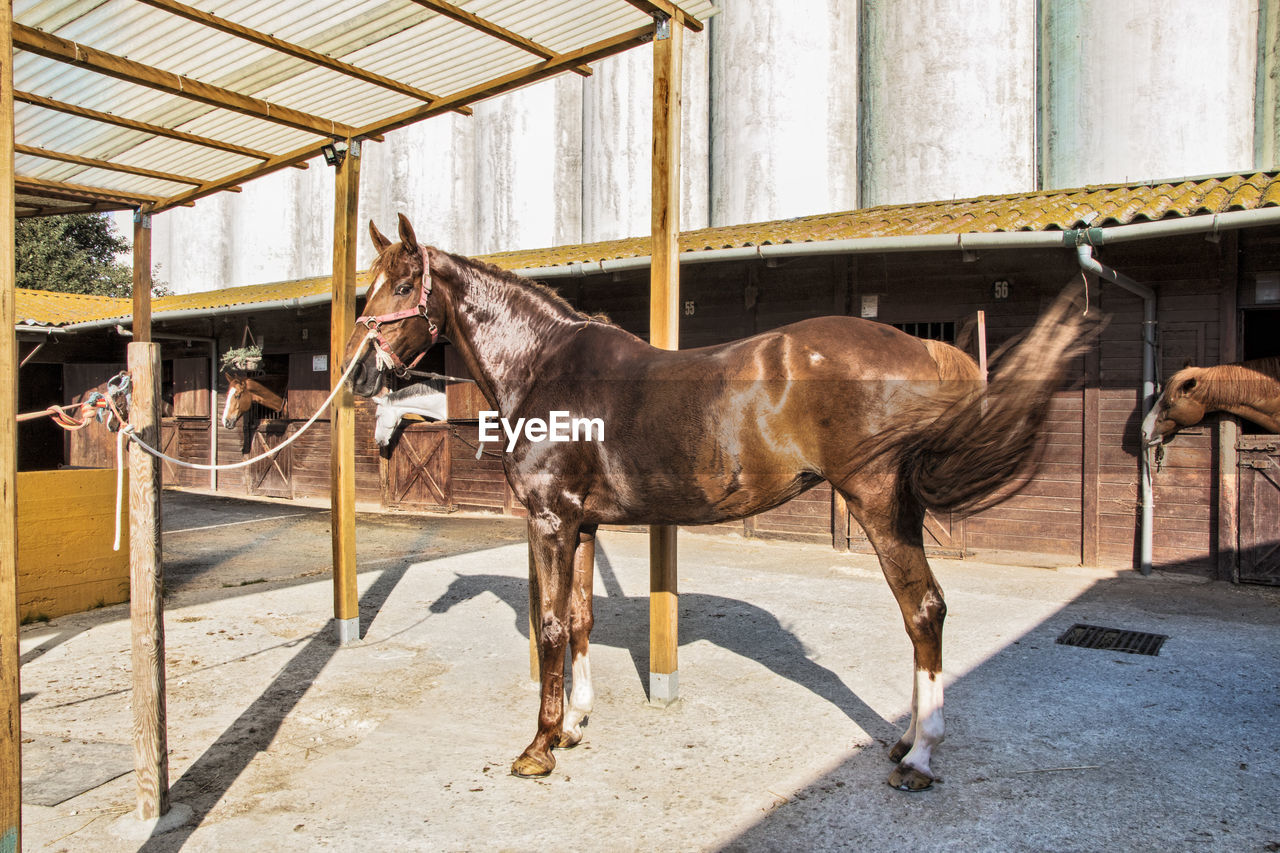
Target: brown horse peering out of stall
[699, 436]
[1250, 389]
[244, 390]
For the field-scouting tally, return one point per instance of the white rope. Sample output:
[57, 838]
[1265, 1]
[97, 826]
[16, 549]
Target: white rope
[128, 429]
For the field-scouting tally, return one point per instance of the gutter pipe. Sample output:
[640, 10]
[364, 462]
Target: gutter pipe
[213, 391]
[1084, 254]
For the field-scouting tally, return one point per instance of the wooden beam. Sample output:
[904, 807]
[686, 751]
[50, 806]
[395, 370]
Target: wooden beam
[342, 493]
[530, 74]
[670, 10]
[142, 277]
[80, 192]
[296, 51]
[72, 53]
[1091, 456]
[664, 332]
[462, 16]
[142, 126]
[10, 688]
[94, 163]
[1228, 509]
[146, 585]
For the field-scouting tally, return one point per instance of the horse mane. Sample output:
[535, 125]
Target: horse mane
[542, 292]
[415, 390]
[1231, 384]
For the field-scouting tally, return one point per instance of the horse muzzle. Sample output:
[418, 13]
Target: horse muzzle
[366, 376]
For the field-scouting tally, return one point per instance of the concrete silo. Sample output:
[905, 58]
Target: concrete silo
[617, 135]
[528, 161]
[784, 82]
[948, 99]
[1146, 90]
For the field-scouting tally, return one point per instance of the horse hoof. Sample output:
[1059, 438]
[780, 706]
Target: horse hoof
[908, 778]
[899, 751]
[528, 767]
[567, 740]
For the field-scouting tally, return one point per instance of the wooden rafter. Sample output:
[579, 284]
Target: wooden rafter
[671, 10]
[64, 50]
[514, 80]
[296, 51]
[141, 126]
[80, 192]
[488, 27]
[95, 163]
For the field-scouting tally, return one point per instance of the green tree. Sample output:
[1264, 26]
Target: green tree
[76, 253]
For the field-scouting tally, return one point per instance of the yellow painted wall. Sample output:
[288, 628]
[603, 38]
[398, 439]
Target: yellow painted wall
[66, 526]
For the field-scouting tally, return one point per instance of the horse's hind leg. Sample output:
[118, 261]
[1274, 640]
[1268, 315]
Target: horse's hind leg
[553, 540]
[583, 695]
[895, 527]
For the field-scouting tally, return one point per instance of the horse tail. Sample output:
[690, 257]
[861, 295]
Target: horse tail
[956, 449]
[952, 363]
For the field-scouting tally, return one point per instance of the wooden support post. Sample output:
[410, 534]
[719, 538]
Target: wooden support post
[664, 331]
[342, 493]
[146, 607]
[1228, 500]
[141, 276]
[10, 694]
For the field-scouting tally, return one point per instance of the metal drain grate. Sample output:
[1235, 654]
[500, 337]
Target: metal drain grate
[1112, 639]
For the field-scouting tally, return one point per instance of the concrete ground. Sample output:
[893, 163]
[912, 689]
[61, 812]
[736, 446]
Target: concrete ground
[794, 677]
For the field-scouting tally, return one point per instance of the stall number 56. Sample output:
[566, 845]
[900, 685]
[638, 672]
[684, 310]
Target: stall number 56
[1000, 291]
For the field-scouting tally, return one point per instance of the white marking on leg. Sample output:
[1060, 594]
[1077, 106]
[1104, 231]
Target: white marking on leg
[582, 697]
[909, 737]
[927, 716]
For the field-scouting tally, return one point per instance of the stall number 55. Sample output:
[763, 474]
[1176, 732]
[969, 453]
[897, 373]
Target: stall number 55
[1000, 291]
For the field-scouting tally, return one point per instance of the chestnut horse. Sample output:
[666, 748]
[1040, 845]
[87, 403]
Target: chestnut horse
[895, 424]
[1250, 389]
[244, 390]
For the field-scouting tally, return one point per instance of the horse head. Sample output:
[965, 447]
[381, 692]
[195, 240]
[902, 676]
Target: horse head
[1181, 405]
[238, 399]
[400, 312]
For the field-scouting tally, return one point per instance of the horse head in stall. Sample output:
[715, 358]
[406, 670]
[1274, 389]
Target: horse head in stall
[243, 390]
[714, 434]
[1249, 389]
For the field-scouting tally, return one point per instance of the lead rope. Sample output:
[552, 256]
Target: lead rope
[127, 429]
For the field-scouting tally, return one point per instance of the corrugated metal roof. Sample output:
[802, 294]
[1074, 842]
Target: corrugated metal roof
[445, 63]
[1055, 210]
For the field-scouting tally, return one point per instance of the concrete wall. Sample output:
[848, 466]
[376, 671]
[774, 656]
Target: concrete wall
[790, 109]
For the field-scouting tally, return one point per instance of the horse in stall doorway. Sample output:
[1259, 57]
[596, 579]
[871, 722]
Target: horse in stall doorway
[243, 390]
[1249, 389]
[895, 424]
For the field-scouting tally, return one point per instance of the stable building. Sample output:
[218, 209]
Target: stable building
[1183, 272]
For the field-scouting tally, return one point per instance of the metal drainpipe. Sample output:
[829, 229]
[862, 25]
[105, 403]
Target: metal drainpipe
[213, 391]
[1084, 253]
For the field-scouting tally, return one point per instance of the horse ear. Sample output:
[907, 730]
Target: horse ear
[406, 233]
[380, 241]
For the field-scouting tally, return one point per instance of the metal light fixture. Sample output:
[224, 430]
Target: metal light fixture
[334, 153]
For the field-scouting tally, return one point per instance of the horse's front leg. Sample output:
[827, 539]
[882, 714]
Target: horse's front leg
[581, 620]
[552, 540]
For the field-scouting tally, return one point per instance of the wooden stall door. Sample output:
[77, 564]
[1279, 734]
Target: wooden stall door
[943, 535]
[270, 477]
[417, 473]
[1259, 508]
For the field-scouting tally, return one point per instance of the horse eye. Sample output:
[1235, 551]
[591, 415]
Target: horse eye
[403, 289]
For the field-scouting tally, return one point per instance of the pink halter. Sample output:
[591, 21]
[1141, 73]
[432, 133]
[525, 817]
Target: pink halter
[374, 322]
